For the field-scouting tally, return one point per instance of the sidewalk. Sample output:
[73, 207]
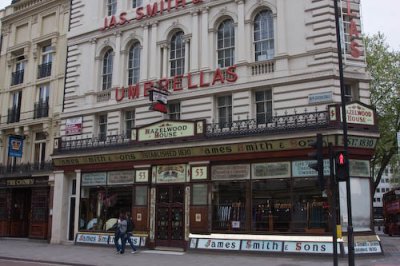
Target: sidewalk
[31, 250]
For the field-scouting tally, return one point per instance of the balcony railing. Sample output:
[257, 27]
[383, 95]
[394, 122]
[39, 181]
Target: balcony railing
[248, 127]
[41, 109]
[44, 70]
[13, 115]
[17, 77]
[25, 169]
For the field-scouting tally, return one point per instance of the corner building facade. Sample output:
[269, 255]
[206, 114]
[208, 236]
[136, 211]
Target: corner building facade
[249, 85]
[32, 62]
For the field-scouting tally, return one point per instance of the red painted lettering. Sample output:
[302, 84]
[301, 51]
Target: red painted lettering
[117, 97]
[197, 1]
[180, 2]
[147, 86]
[202, 83]
[113, 22]
[298, 246]
[152, 11]
[139, 13]
[163, 84]
[218, 76]
[105, 23]
[231, 76]
[133, 91]
[353, 29]
[177, 83]
[122, 18]
[354, 51]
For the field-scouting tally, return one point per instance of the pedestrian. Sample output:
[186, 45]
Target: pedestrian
[120, 233]
[129, 229]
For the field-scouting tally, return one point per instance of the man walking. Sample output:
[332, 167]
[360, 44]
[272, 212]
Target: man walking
[120, 233]
[130, 227]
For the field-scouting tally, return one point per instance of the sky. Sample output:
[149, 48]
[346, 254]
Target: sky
[378, 15]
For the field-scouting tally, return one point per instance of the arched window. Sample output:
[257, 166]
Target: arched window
[177, 54]
[264, 36]
[226, 43]
[107, 70]
[134, 64]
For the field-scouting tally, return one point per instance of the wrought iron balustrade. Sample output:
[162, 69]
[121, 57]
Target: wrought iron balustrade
[248, 127]
[41, 109]
[17, 77]
[13, 115]
[25, 168]
[44, 70]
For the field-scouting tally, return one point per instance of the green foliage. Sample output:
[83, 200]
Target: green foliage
[384, 66]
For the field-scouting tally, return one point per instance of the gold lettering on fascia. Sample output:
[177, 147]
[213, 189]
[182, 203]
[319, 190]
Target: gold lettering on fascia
[20, 182]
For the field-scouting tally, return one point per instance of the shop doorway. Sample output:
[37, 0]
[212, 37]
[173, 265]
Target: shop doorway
[170, 216]
[20, 210]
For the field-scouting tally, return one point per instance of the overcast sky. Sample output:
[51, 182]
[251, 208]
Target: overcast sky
[378, 15]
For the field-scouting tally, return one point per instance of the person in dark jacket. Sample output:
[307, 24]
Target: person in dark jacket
[129, 234]
[120, 233]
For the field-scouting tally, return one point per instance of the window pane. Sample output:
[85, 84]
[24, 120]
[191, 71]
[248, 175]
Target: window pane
[199, 194]
[141, 195]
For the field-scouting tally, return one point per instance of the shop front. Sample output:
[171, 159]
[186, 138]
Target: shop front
[24, 207]
[203, 190]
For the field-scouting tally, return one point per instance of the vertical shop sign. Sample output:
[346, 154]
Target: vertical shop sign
[15, 146]
[351, 21]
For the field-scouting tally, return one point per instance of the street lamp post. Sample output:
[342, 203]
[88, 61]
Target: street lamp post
[350, 236]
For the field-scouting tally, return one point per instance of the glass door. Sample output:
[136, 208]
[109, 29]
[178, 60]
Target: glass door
[170, 216]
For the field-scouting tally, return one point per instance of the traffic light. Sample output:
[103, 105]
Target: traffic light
[318, 156]
[340, 166]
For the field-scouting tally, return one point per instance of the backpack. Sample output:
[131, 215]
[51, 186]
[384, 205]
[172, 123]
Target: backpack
[130, 226]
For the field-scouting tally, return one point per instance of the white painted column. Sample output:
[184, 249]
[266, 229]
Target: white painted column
[280, 22]
[187, 47]
[165, 60]
[194, 53]
[240, 39]
[58, 229]
[153, 47]
[117, 71]
[204, 53]
[77, 200]
[145, 58]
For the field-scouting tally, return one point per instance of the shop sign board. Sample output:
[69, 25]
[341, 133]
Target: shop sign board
[73, 126]
[15, 146]
[360, 168]
[94, 179]
[270, 170]
[262, 245]
[308, 247]
[365, 247]
[121, 177]
[322, 97]
[218, 244]
[142, 176]
[171, 173]
[215, 150]
[92, 238]
[301, 168]
[20, 182]
[359, 114]
[199, 172]
[166, 130]
[230, 172]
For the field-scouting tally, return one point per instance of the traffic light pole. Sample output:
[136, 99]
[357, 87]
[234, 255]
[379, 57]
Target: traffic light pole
[350, 236]
[333, 207]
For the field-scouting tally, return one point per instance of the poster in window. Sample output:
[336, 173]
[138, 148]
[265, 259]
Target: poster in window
[73, 126]
[270, 170]
[171, 173]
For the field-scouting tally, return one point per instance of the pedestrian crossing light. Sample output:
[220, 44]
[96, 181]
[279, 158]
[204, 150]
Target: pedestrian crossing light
[318, 157]
[341, 165]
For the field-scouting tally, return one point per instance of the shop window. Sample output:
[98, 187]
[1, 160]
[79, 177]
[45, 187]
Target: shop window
[100, 207]
[141, 195]
[226, 44]
[174, 111]
[177, 54]
[200, 192]
[263, 106]
[229, 206]
[271, 210]
[264, 36]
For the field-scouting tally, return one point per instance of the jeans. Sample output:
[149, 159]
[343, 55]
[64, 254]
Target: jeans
[120, 248]
[128, 238]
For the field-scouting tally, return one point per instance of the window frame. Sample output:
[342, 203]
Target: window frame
[102, 121]
[226, 52]
[111, 7]
[267, 104]
[176, 113]
[107, 69]
[226, 118]
[131, 120]
[176, 62]
[137, 3]
[265, 22]
[134, 63]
